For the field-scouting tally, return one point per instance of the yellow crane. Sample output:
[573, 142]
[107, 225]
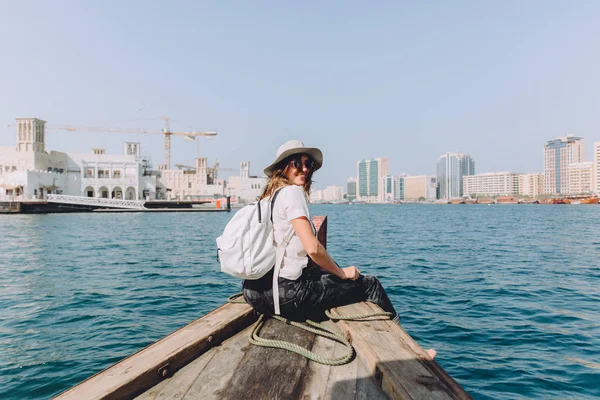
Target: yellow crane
[166, 131]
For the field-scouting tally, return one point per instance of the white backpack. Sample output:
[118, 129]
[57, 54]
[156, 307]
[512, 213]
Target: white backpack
[247, 247]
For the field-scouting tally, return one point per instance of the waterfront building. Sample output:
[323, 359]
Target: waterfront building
[28, 171]
[351, 189]
[393, 188]
[558, 154]
[491, 184]
[245, 188]
[370, 179]
[451, 168]
[581, 178]
[531, 185]
[596, 172]
[316, 196]
[333, 194]
[420, 187]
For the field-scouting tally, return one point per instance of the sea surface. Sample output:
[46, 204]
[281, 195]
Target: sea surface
[509, 295]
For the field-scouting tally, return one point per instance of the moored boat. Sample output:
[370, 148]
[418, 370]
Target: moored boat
[590, 200]
[507, 200]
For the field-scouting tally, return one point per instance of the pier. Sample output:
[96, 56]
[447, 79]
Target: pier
[78, 204]
[211, 358]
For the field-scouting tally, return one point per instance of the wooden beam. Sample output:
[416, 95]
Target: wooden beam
[393, 358]
[141, 371]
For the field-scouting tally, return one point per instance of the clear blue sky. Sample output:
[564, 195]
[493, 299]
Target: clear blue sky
[407, 81]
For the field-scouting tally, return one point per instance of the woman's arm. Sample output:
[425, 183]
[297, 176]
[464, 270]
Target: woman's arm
[317, 252]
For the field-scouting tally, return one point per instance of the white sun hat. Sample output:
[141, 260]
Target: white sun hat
[295, 147]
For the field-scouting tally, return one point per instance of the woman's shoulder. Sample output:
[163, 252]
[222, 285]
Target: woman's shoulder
[292, 191]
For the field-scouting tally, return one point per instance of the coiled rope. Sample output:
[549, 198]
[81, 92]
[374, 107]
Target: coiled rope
[310, 326]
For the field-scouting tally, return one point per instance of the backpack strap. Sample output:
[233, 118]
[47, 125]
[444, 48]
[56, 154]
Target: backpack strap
[279, 254]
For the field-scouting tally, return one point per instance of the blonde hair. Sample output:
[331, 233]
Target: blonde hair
[279, 179]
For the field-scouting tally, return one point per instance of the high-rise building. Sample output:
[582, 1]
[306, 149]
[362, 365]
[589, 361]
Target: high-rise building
[351, 189]
[491, 184]
[531, 185]
[581, 177]
[420, 187]
[451, 168]
[596, 176]
[393, 188]
[558, 154]
[370, 179]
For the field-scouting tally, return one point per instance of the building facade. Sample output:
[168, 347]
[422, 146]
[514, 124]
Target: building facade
[420, 187]
[596, 167]
[491, 184]
[245, 188]
[451, 168]
[192, 183]
[29, 172]
[370, 179]
[581, 178]
[393, 188]
[351, 189]
[531, 185]
[558, 154]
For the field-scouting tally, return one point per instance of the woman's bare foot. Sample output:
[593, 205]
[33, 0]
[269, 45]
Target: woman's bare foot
[432, 353]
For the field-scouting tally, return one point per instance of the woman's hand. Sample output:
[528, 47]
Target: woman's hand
[351, 273]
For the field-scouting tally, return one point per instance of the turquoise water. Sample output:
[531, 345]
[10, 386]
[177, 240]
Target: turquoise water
[508, 295]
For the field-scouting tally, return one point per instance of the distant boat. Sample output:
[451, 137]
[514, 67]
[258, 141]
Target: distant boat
[457, 201]
[590, 200]
[529, 201]
[485, 201]
[507, 200]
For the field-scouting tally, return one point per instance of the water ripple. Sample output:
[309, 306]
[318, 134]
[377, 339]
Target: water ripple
[508, 295]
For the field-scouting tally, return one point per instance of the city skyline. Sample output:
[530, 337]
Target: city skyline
[406, 81]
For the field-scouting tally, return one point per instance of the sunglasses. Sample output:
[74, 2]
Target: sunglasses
[298, 164]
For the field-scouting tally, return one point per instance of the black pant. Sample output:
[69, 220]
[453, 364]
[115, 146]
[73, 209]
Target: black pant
[313, 293]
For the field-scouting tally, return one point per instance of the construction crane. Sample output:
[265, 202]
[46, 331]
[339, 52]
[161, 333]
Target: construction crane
[166, 131]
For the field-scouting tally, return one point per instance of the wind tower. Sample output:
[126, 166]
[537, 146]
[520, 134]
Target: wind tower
[31, 135]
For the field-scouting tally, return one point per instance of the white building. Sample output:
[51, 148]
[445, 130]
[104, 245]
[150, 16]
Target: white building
[596, 171]
[333, 194]
[245, 188]
[558, 154]
[192, 183]
[370, 179]
[28, 171]
[419, 187]
[491, 184]
[531, 185]
[393, 188]
[581, 178]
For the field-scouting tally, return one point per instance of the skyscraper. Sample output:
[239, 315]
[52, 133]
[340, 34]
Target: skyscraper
[370, 179]
[351, 189]
[393, 188]
[558, 154]
[451, 167]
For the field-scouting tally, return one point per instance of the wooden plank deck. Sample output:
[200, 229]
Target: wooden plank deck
[389, 365]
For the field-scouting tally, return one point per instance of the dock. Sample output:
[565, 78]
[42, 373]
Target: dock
[212, 358]
[78, 204]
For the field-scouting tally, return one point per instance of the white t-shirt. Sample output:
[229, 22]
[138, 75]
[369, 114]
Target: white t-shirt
[290, 204]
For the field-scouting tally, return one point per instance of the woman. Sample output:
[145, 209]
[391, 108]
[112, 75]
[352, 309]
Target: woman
[301, 291]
